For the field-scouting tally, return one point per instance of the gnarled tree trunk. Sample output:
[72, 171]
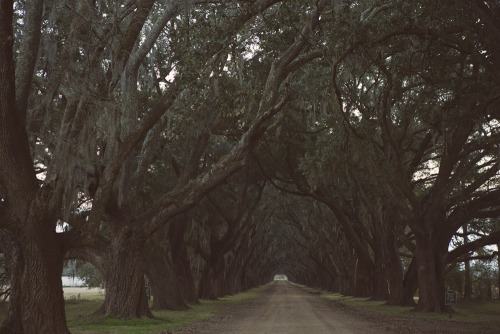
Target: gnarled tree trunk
[431, 260]
[41, 285]
[402, 290]
[401, 286]
[124, 278]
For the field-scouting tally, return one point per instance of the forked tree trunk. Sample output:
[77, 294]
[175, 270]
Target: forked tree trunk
[13, 323]
[41, 288]
[402, 291]
[124, 278]
[42, 306]
[431, 274]
[401, 287]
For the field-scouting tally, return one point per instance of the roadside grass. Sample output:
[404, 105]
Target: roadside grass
[485, 312]
[473, 312]
[80, 306]
[80, 320]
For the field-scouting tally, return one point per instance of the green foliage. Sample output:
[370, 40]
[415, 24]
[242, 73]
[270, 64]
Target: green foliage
[455, 280]
[484, 278]
[89, 274]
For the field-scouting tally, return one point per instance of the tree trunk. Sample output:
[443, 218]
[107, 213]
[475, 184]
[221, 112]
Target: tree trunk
[431, 274]
[166, 295]
[124, 278]
[180, 262]
[42, 253]
[364, 281]
[467, 272]
[13, 323]
[498, 272]
[233, 282]
[205, 289]
[219, 284]
[468, 281]
[401, 293]
[410, 284]
[41, 284]
[379, 280]
[184, 275]
[401, 287]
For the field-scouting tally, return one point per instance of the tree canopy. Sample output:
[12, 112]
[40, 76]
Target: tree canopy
[203, 147]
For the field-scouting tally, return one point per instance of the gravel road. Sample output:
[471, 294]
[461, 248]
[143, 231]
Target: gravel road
[284, 308]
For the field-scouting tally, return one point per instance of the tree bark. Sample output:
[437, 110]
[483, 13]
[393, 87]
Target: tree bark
[13, 323]
[498, 272]
[431, 260]
[162, 279]
[233, 279]
[467, 272]
[379, 276]
[28, 204]
[401, 286]
[205, 289]
[364, 281]
[41, 284]
[180, 262]
[124, 278]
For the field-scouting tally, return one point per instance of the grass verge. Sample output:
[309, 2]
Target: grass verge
[79, 321]
[468, 312]
[474, 312]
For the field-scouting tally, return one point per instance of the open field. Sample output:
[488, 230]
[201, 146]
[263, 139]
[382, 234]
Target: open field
[83, 293]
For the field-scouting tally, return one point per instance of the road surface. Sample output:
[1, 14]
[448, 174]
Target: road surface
[284, 308]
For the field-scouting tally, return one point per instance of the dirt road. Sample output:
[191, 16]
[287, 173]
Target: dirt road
[285, 308]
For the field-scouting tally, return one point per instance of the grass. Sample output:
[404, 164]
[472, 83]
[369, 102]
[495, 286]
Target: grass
[470, 312]
[80, 305]
[79, 321]
[485, 312]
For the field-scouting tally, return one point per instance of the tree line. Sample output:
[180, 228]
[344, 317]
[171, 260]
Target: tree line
[203, 147]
